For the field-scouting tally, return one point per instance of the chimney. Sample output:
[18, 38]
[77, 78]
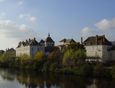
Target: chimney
[81, 40]
[103, 39]
[34, 38]
[97, 39]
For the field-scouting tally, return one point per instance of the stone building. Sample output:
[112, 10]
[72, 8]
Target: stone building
[98, 48]
[31, 46]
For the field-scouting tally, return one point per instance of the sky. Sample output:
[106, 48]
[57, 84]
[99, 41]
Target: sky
[23, 19]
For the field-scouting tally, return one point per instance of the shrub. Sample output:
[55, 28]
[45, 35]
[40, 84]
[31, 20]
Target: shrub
[113, 72]
[99, 70]
[72, 58]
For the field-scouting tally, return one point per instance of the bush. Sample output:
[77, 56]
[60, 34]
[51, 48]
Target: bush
[72, 58]
[86, 70]
[99, 70]
[113, 72]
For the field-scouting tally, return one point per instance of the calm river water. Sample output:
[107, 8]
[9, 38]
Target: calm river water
[18, 79]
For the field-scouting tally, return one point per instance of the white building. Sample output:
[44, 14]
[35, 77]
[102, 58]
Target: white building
[31, 46]
[98, 48]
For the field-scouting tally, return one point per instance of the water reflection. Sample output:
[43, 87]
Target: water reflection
[18, 79]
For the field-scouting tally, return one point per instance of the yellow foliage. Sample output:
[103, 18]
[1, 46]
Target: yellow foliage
[39, 55]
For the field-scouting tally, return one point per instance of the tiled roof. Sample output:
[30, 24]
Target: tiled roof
[28, 42]
[10, 50]
[97, 40]
[42, 41]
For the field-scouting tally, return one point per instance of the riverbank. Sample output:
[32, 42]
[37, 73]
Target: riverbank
[97, 70]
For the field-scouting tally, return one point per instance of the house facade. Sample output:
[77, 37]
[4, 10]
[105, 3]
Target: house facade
[29, 47]
[32, 46]
[98, 48]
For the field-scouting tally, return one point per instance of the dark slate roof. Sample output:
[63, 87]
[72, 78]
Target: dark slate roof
[49, 39]
[97, 40]
[68, 40]
[28, 42]
[10, 50]
[42, 41]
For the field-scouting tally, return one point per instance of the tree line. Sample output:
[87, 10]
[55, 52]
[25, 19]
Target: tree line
[69, 61]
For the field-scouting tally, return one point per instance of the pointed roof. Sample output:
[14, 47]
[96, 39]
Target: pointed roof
[42, 41]
[28, 42]
[68, 40]
[49, 39]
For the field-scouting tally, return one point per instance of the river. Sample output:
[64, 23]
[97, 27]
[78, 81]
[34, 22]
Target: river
[18, 79]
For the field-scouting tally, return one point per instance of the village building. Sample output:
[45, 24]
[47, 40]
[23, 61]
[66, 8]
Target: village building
[98, 48]
[64, 43]
[32, 46]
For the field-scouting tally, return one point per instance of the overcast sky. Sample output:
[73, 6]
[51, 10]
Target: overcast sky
[23, 19]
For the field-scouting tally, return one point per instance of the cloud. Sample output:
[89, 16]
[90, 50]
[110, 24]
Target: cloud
[2, 15]
[103, 27]
[10, 29]
[28, 17]
[20, 3]
[106, 24]
[86, 32]
[2, 0]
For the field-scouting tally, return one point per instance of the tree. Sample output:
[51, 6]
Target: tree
[55, 55]
[74, 54]
[113, 72]
[99, 70]
[39, 55]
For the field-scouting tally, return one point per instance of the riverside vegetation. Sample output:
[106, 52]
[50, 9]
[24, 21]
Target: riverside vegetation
[70, 61]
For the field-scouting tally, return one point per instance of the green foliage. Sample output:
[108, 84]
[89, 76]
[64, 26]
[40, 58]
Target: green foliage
[24, 57]
[74, 54]
[99, 70]
[75, 46]
[72, 57]
[86, 70]
[55, 55]
[68, 57]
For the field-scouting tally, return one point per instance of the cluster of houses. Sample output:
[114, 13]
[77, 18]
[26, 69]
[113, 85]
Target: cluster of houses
[98, 48]
[32, 46]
